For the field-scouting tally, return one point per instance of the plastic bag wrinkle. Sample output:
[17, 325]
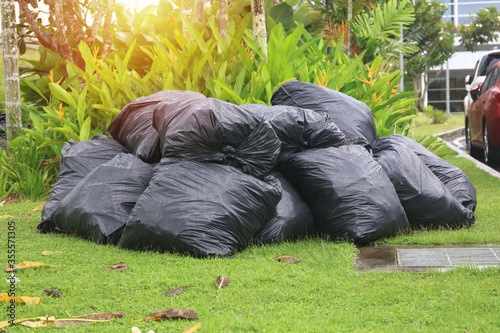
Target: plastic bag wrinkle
[78, 159]
[204, 209]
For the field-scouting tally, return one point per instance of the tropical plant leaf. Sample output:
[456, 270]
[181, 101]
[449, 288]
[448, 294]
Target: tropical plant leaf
[62, 95]
[282, 13]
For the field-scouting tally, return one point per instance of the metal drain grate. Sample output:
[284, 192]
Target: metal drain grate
[448, 258]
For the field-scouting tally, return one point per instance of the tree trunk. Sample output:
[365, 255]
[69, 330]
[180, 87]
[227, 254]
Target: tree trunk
[349, 19]
[259, 24]
[11, 70]
[200, 10]
[417, 86]
[187, 12]
[223, 14]
[62, 35]
[106, 29]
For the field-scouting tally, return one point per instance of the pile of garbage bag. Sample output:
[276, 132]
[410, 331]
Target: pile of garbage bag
[189, 174]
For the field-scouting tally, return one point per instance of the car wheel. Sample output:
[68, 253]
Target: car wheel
[473, 151]
[491, 155]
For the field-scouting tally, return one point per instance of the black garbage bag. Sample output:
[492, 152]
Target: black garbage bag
[3, 135]
[3, 125]
[451, 176]
[99, 206]
[133, 126]
[291, 219]
[427, 201]
[298, 128]
[218, 132]
[204, 209]
[349, 194]
[78, 159]
[353, 117]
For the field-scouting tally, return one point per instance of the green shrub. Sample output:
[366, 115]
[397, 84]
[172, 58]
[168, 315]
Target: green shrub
[437, 116]
[84, 101]
[6, 185]
[436, 145]
[28, 168]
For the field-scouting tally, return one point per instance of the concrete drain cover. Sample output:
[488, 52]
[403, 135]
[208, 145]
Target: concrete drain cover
[448, 258]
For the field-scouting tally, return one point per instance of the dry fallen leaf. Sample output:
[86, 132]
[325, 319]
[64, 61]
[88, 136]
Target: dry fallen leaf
[192, 329]
[43, 322]
[137, 330]
[33, 324]
[290, 260]
[221, 281]
[47, 318]
[5, 298]
[46, 163]
[17, 321]
[172, 314]
[52, 292]
[121, 266]
[25, 265]
[99, 316]
[176, 291]
[52, 321]
[38, 208]
[50, 253]
[25, 215]
[5, 216]
[118, 265]
[72, 322]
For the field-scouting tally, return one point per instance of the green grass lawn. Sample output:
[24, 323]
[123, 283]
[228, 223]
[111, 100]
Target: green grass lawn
[422, 125]
[322, 293]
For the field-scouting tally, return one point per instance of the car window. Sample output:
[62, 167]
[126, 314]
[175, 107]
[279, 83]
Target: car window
[475, 68]
[490, 80]
[488, 63]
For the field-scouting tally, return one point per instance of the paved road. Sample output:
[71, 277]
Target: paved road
[459, 142]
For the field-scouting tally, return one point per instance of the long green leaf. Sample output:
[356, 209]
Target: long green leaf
[62, 95]
[111, 110]
[85, 130]
[35, 88]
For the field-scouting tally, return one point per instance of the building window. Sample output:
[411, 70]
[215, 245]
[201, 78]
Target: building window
[464, 11]
[436, 94]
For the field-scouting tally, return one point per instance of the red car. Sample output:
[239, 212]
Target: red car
[482, 120]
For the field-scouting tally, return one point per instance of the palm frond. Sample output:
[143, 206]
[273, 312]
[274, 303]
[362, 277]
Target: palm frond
[379, 33]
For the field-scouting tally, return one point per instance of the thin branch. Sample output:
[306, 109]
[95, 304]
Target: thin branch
[47, 41]
[72, 24]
